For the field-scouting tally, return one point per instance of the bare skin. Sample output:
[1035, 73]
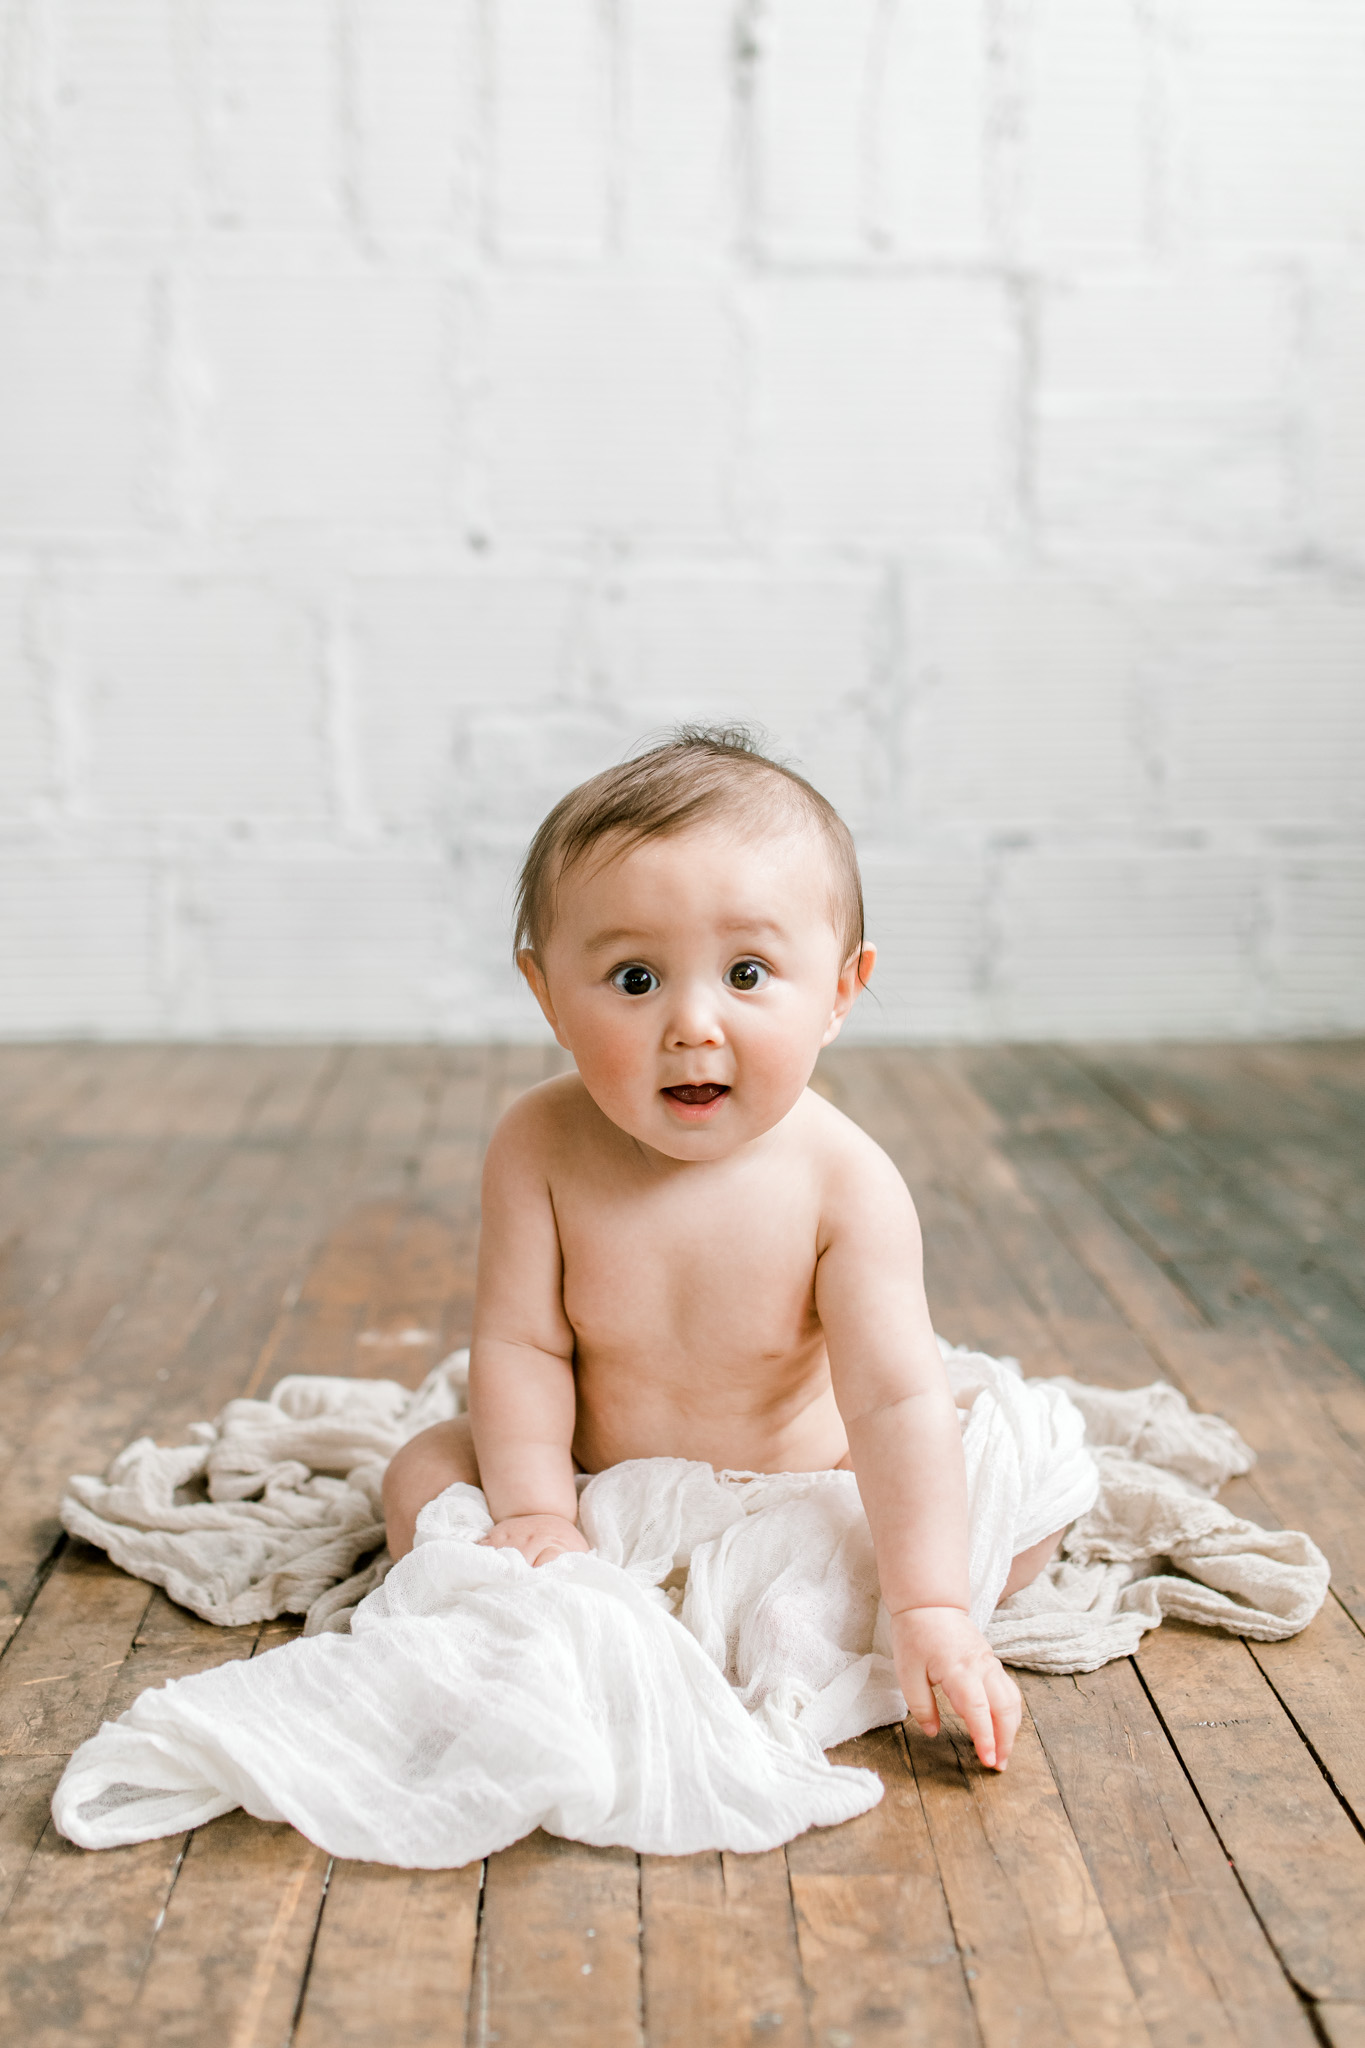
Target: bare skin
[687, 1253]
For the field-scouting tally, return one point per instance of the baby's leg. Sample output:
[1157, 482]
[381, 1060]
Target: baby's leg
[1029, 1563]
[426, 1465]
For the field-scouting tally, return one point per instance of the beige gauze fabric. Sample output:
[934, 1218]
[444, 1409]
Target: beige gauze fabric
[269, 1509]
[674, 1691]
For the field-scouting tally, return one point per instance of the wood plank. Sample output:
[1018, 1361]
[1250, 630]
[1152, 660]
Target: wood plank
[1191, 1945]
[76, 1925]
[875, 1934]
[297, 1083]
[1342, 2024]
[235, 1945]
[1309, 1469]
[1319, 1675]
[229, 1958]
[1313, 1282]
[721, 1967]
[27, 1784]
[172, 1643]
[125, 1100]
[34, 1077]
[1041, 1963]
[1230, 1257]
[394, 1958]
[59, 1668]
[558, 1955]
[1260, 1105]
[75, 1940]
[1093, 1338]
[1148, 1297]
[41, 1881]
[1296, 1852]
[88, 1404]
[1319, 1679]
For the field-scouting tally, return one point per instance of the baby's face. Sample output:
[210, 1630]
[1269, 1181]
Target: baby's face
[694, 980]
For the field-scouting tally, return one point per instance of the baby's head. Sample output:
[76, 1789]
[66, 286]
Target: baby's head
[692, 925]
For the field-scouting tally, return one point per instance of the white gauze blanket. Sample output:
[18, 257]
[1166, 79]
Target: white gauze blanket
[673, 1691]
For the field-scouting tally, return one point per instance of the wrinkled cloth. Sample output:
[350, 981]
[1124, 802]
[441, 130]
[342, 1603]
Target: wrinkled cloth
[674, 1690]
[268, 1509]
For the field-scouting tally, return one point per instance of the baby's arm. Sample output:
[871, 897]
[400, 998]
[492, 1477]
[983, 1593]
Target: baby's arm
[906, 1446]
[521, 1380]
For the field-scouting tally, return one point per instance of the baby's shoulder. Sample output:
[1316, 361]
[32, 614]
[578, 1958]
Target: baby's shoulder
[860, 1184]
[542, 1123]
[853, 1168]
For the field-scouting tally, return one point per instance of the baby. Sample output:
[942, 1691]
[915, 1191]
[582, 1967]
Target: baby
[685, 1252]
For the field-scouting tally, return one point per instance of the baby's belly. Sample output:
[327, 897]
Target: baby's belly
[795, 1434]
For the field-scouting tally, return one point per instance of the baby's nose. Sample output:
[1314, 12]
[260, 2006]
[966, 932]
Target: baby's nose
[694, 1019]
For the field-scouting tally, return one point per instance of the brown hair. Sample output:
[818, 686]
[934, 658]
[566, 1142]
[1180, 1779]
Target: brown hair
[699, 771]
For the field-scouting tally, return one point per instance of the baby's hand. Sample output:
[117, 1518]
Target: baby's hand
[939, 1646]
[537, 1537]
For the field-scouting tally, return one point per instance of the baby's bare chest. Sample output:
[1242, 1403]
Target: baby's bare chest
[730, 1264]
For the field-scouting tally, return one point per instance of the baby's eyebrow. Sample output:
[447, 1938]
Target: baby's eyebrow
[625, 935]
[620, 936]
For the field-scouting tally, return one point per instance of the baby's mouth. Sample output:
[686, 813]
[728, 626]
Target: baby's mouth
[696, 1096]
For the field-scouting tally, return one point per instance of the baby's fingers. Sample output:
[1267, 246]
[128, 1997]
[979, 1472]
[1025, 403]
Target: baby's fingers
[972, 1704]
[920, 1702]
[1006, 1712]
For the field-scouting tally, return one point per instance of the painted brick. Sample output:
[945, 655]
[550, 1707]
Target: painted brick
[514, 765]
[551, 127]
[1319, 952]
[927, 919]
[203, 701]
[793, 654]
[885, 406]
[676, 182]
[1091, 947]
[415, 90]
[406, 405]
[292, 945]
[73, 417]
[1264, 707]
[932, 128]
[276, 128]
[1337, 399]
[480, 992]
[816, 78]
[1026, 713]
[77, 944]
[1162, 409]
[26, 762]
[1141, 483]
[124, 124]
[430, 652]
[611, 405]
[1181, 338]
[1277, 91]
[329, 396]
[1083, 161]
[21, 95]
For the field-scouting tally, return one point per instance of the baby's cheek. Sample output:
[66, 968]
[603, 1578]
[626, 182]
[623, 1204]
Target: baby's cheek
[782, 1054]
[612, 1064]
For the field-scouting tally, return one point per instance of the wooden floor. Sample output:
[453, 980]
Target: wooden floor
[1176, 1854]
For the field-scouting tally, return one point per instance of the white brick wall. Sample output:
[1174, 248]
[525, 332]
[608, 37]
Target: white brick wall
[406, 404]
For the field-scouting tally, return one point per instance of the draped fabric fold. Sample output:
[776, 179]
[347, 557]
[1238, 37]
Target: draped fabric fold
[673, 1691]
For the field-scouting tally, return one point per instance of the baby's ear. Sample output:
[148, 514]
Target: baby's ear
[535, 980]
[853, 977]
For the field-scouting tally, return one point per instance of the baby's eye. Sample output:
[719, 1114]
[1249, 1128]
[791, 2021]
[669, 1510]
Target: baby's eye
[634, 980]
[747, 974]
